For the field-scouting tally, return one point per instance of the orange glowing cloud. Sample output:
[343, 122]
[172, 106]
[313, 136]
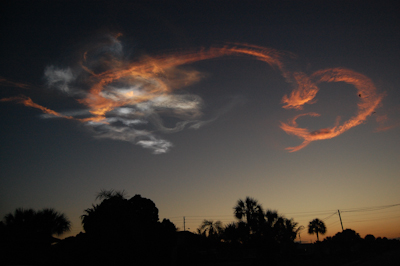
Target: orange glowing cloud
[28, 102]
[6, 82]
[385, 123]
[306, 91]
[156, 76]
[122, 98]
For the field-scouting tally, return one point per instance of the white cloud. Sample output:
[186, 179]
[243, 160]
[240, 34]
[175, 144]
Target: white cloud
[59, 78]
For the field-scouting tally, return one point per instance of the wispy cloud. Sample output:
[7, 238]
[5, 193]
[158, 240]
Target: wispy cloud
[386, 121]
[135, 101]
[28, 102]
[5, 82]
[59, 78]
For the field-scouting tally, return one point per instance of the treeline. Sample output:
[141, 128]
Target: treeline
[348, 247]
[121, 231]
[261, 234]
[117, 231]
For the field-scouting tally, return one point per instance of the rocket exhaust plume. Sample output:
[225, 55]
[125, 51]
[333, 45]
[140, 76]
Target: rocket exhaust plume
[306, 91]
[28, 102]
[129, 101]
[6, 82]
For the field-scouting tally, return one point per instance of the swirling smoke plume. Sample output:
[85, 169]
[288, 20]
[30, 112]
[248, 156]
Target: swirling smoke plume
[131, 100]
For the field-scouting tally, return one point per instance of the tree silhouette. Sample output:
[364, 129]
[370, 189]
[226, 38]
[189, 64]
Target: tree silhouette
[252, 211]
[235, 232]
[211, 229]
[266, 233]
[122, 230]
[347, 235]
[278, 233]
[346, 243]
[90, 217]
[369, 238]
[271, 217]
[108, 194]
[27, 235]
[285, 230]
[21, 222]
[168, 226]
[37, 226]
[316, 226]
[117, 216]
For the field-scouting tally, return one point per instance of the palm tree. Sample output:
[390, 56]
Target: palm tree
[230, 233]
[210, 228]
[291, 228]
[109, 194]
[52, 222]
[89, 217]
[283, 229]
[36, 226]
[235, 232]
[316, 226]
[19, 218]
[271, 217]
[251, 210]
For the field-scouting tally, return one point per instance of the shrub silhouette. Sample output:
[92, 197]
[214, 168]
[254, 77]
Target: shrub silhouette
[117, 217]
[121, 230]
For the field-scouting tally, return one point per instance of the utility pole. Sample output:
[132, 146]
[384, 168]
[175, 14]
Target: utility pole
[340, 219]
[184, 224]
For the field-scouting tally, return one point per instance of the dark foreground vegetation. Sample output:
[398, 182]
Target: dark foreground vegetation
[121, 231]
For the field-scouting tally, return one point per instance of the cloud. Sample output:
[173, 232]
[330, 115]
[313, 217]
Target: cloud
[28, 102]
[386, 123]
[143, 138]
[136, 101]
[59, 78]
[157, 145]
[6, 82]
[306, 91]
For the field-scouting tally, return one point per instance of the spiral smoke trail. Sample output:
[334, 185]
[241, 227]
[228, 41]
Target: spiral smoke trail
[129, 101]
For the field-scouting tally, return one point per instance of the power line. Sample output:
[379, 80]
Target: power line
[302, 215]
[357, 214]
[311, 212]
[367, 209]
[209, 215]
[312, 215]
[378, 219]
[375, 208]
[335, 222]
[328, 216]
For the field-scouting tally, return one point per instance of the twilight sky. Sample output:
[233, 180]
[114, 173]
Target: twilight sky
[196, 105]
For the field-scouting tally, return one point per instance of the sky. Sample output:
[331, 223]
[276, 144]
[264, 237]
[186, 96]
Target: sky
[197, 104]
